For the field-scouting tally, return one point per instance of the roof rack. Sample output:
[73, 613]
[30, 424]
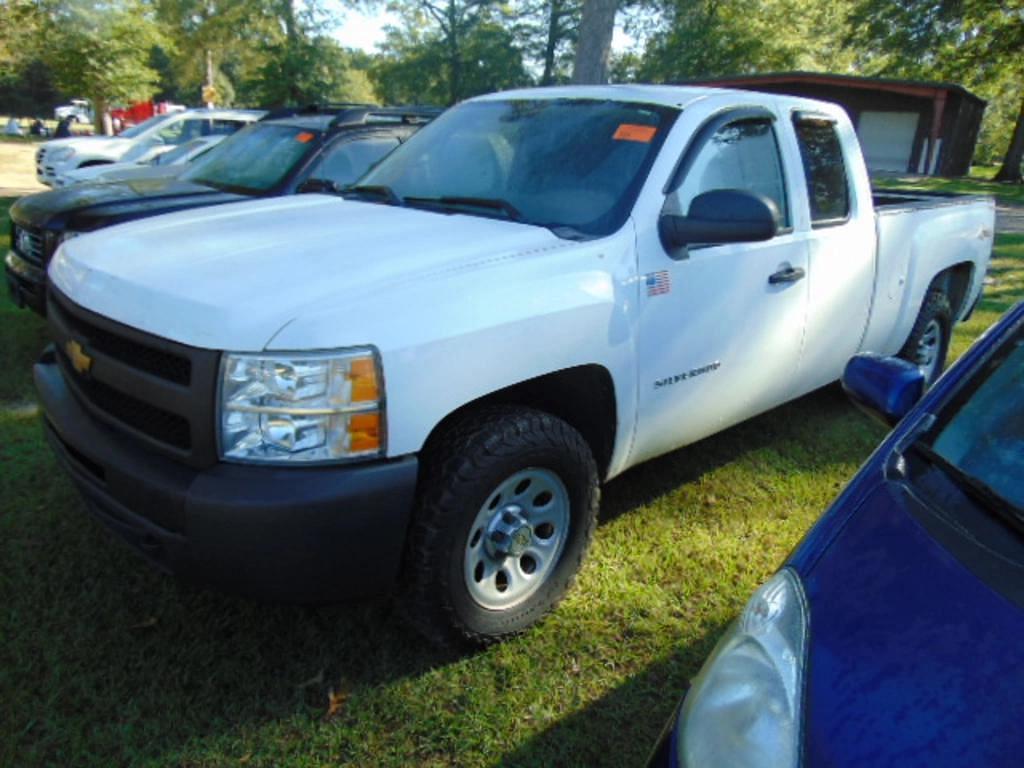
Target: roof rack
[323, 108]
[372, 114]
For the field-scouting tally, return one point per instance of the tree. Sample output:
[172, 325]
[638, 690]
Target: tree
[705, 38]
[548, 29]
[102, 52]
[597, 25]
[977, 42]
[446, 51]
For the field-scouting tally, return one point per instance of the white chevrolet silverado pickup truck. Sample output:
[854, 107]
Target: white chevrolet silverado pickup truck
[418, 385]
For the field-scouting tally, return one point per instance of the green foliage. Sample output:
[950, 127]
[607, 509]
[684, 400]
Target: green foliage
[443, 54]
[102, 51]
[703, 38]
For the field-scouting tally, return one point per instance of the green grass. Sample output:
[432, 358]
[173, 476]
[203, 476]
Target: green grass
[103, 662]
[979, 183]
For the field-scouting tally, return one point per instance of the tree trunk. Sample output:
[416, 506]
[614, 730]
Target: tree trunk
[551, 44]
[101, 120]
[454, 57]
[1015, 154]
[595, 42]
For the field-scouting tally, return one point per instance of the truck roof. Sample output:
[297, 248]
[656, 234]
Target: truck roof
[678, 96]
[666, 95]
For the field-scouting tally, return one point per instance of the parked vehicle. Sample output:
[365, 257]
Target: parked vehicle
[170, 163]
[141, 111]
[138, 144]
[297, 151]
[423, 384]
[79, 110]
[888, 638]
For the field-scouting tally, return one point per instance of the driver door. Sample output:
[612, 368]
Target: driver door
[720, 333]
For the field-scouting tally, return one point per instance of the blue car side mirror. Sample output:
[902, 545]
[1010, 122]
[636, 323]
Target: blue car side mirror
[884, 387]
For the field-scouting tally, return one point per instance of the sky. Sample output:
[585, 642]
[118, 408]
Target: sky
[365, 30]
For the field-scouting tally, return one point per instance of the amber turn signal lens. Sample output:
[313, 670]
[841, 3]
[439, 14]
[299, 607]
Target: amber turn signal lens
[364, 432]
[363, 375]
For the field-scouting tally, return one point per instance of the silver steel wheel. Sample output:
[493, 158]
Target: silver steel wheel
[516, 538]
[928, 346]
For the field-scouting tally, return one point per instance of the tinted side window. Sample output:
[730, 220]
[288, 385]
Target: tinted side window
[346, 161]
[824, 170]
[741, 155]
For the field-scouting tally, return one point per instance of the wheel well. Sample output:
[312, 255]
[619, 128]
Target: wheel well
[90, 163]
[955, 282]
[583, 396]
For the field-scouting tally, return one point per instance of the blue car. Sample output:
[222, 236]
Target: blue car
[892, 636]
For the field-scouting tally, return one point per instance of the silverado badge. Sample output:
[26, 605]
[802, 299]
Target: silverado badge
[80, 361]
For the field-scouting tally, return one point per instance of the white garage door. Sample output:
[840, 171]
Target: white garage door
[887, 139]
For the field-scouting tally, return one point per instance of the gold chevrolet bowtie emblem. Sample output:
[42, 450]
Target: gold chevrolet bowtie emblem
[80, 361]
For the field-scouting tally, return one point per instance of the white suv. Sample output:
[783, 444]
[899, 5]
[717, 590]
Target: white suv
[138, 144]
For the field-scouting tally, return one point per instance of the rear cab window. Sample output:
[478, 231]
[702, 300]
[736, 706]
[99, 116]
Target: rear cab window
[828, 188]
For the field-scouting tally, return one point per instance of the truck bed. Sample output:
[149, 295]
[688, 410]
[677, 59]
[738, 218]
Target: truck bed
[921, 234]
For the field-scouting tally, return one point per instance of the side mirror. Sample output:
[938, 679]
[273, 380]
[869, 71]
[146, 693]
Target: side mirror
[883, 387]
[317, 185]
[721, 216]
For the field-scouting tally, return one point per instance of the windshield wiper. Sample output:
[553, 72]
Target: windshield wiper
[988, 497]
[488, 203]
[373, 192]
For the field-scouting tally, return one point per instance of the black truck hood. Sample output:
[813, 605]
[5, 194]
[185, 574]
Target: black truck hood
[89, 206]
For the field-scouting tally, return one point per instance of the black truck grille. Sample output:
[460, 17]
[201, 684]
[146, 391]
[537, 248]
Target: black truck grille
[27, 242]
[155, 389]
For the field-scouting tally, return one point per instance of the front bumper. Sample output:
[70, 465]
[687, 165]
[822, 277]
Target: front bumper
[314, 534]
[26, 283]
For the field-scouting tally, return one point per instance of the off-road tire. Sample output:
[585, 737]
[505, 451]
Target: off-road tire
[459, 470]
[935, 309]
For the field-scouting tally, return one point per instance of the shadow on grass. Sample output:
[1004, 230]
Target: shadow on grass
[803, 420]
[622, 727]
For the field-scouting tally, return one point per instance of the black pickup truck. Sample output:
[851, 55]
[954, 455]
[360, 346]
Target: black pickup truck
[310, 149]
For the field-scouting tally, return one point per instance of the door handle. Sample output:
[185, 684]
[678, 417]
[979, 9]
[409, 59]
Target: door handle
[787, 275]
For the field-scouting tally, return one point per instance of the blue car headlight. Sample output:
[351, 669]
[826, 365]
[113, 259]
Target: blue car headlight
[744, 708]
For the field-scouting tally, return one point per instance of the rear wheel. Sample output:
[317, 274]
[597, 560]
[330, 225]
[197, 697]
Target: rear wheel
[508, 504]
[928, 343]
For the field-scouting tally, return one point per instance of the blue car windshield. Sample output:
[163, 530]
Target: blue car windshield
[983, 435]
[574, 164]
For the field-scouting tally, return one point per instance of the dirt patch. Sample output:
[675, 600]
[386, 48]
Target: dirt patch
[18, 169]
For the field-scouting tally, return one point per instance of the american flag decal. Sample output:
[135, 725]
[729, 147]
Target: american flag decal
[658, 283]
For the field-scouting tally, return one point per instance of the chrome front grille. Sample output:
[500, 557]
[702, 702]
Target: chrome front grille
[28, 243]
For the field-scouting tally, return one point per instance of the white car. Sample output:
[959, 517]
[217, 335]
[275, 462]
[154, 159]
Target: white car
[79, 110]
[170, 163]
[139, 143]
[419, 385]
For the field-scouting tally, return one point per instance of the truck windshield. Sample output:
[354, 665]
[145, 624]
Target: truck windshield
[573, 165]
[983, 436]
[254, 160]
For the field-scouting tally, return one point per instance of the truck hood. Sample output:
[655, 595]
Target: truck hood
[91, 205]
[230, 277]
[913, 659]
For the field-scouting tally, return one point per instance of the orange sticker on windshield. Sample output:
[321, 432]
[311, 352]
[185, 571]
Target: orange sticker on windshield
[630, 132]
[305, 136]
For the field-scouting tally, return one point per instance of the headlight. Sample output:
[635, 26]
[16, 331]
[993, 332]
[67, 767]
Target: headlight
[744, 708]
[317, 407]
[60, 155]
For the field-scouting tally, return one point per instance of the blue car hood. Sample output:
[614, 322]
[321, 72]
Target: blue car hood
[913, 660]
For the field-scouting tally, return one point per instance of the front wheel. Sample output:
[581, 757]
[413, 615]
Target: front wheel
[928, 343]
[508, 504]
